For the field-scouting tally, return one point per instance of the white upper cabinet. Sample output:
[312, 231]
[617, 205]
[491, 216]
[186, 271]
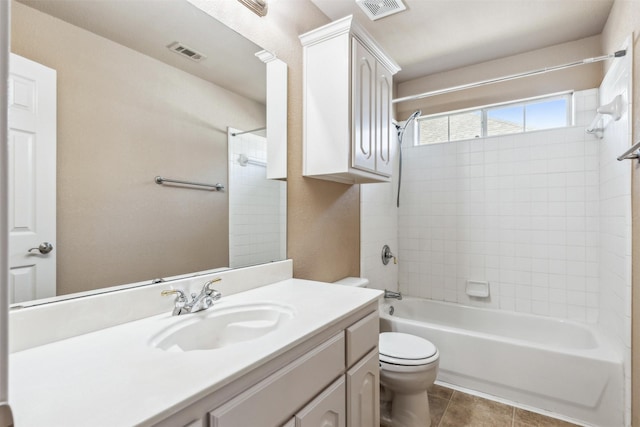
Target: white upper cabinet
[348, 83]
[276, 115]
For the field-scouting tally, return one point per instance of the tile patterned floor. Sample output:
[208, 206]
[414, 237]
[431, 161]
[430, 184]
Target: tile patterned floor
[452, 408]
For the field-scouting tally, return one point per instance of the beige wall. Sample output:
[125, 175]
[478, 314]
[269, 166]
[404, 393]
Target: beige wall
[124, 118]
[577, 78]
[323, 218]
[624, 20]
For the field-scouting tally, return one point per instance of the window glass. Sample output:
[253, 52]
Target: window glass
[465, 125]
[433, 130]
[546, 114]
[504, 120]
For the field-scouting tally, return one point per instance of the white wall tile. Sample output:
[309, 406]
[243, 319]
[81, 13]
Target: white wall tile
[614, 266]
[518, 208]
[257, 206]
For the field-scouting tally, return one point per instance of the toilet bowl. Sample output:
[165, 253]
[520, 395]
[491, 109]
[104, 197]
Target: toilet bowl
[408, 367]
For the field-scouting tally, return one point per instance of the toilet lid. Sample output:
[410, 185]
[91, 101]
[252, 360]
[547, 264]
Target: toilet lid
[407, 347]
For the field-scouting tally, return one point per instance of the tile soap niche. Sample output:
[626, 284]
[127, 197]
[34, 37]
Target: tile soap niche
[477, 289]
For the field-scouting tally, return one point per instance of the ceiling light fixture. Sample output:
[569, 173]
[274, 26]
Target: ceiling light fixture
[259, 7]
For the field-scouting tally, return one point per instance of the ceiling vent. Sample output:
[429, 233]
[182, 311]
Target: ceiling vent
[376, 9]
[186, 51]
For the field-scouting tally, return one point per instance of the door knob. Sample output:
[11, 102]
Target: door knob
[44, 248]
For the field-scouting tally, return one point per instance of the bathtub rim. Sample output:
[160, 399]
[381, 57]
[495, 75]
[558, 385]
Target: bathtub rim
[605, 350]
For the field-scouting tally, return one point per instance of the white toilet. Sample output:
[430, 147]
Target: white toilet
[408, 367]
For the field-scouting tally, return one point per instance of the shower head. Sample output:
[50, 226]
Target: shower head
[403, 127]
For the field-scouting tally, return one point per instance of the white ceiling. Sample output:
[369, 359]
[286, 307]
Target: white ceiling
[437, 35]
[429, 37]
[149, 26]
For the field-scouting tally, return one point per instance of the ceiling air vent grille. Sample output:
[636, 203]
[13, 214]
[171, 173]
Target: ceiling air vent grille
[186, 51]
[376, 9]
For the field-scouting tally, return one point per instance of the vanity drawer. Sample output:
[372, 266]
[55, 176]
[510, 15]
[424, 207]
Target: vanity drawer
[362, 336]
[274, 400]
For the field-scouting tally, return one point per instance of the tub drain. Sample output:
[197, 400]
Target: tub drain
[391, 310]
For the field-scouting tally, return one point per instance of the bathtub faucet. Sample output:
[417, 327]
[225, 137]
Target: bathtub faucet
[391, 294]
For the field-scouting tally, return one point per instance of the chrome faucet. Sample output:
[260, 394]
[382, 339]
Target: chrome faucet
[198, 302]
[390, 294]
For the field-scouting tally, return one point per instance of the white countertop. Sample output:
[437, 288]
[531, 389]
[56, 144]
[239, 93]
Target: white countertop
[114, 377]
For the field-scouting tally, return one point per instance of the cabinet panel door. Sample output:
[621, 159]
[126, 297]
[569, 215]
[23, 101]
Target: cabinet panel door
[363, 103]
[275, 399]
[363, 392]
[384, 127]
[326, 410]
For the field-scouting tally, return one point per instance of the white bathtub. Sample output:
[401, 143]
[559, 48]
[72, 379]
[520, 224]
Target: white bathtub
[557, 366]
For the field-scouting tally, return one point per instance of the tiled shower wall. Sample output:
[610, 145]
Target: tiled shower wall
[519, 211]
[544, 217]
[379, 227]
[540, 216]
[257, 206]
[615, 219]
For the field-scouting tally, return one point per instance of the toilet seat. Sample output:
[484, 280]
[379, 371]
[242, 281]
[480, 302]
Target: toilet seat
[406, 350]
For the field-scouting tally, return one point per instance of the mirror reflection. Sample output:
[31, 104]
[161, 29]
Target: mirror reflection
[107, 95]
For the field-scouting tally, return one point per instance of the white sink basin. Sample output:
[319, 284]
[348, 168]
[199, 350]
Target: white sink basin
[221, 326]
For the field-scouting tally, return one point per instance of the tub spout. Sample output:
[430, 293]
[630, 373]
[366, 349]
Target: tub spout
[390, 294]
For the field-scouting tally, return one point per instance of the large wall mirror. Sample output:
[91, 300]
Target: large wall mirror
[140, 89]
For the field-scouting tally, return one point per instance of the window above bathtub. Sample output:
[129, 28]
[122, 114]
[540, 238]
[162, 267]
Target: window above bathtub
[524, 115]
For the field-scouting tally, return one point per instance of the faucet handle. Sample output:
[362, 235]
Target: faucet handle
[180, 302]
[208, 290]
[180, 294]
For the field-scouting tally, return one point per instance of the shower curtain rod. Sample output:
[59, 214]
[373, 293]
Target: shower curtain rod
[510, 77]
[247, 131]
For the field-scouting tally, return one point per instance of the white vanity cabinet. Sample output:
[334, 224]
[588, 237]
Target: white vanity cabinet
[348, 83]
[330, 380]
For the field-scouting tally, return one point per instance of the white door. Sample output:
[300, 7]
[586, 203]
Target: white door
[32, 180]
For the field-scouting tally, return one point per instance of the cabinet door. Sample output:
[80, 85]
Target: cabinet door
[384, 127]
[363, 392]
[363, 145]
[275, 399]
[326, 410]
